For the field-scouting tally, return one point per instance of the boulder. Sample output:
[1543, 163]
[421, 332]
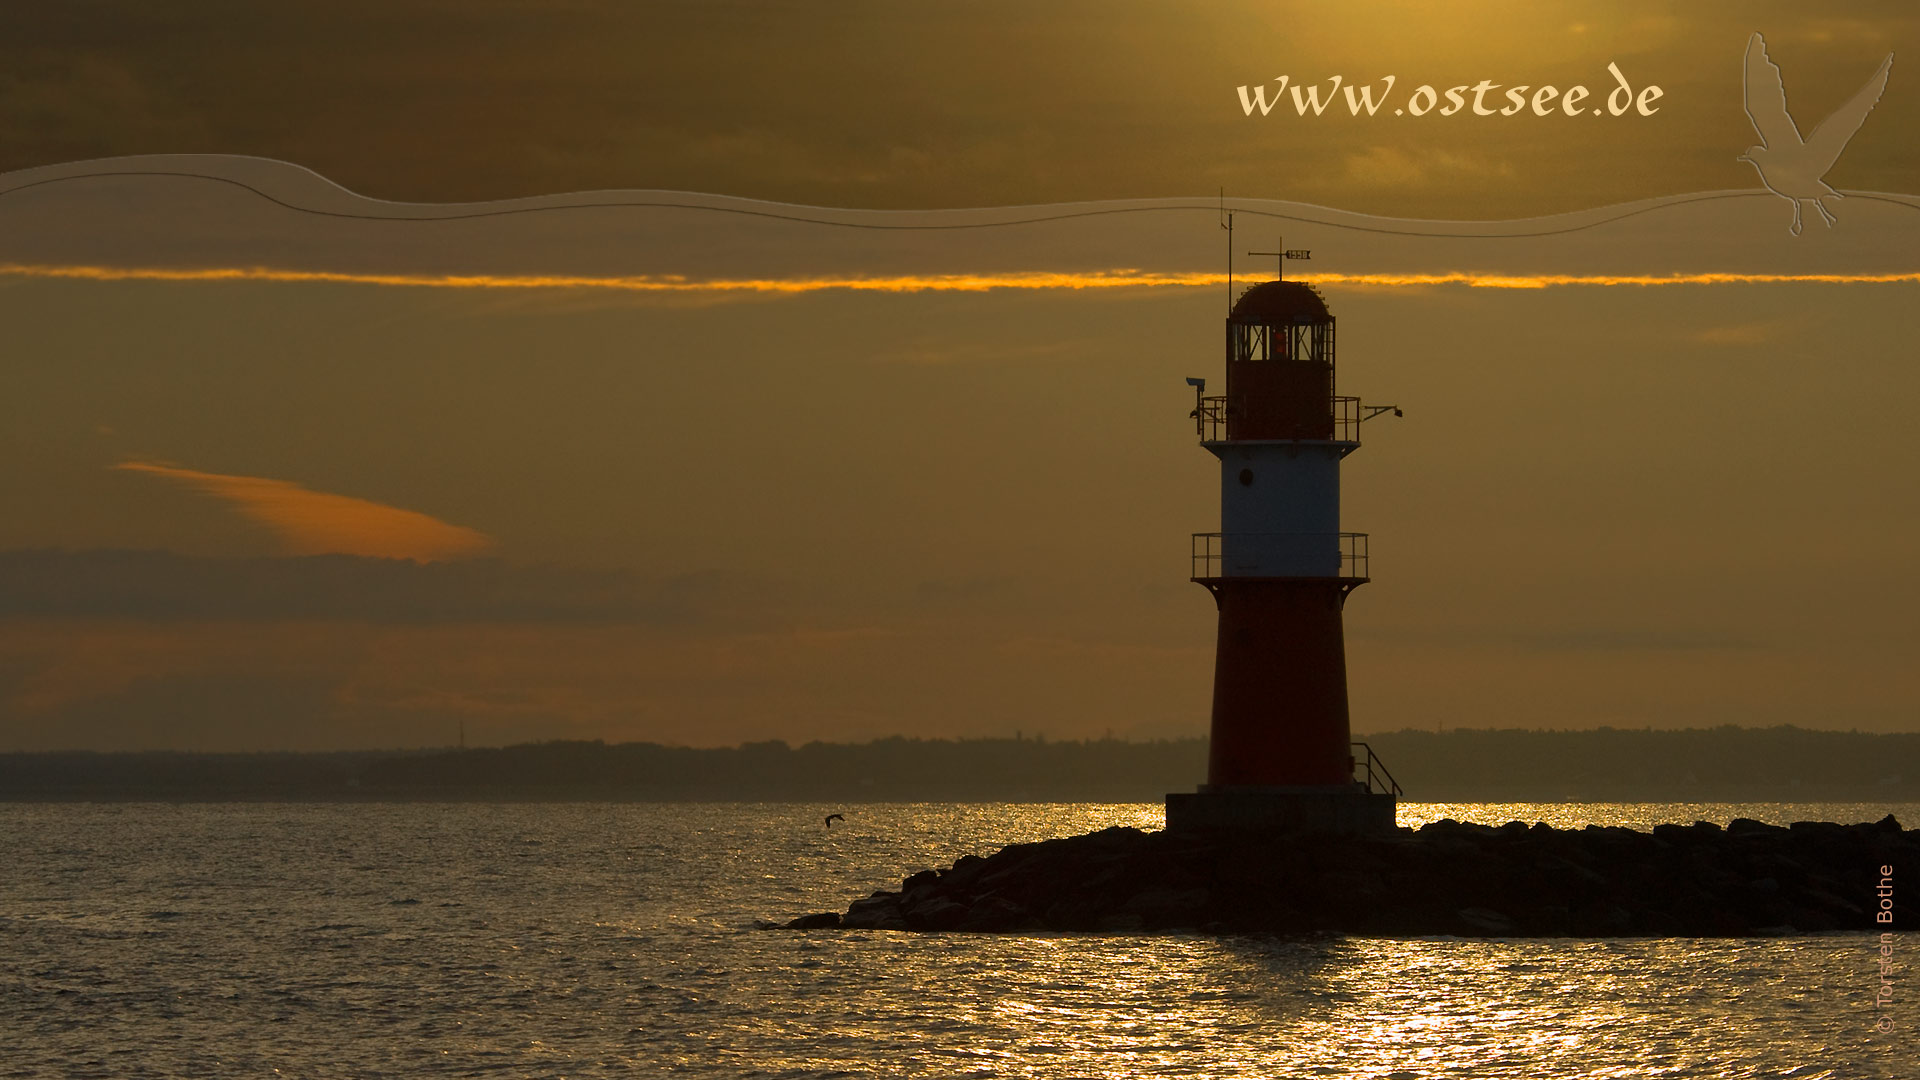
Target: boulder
[1481, 920]
[880, 911]
[936, 913]
[995, 913]
[825, 920]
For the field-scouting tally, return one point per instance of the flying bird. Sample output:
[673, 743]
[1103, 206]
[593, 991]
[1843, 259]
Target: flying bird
[831, 818]
[1790, 166]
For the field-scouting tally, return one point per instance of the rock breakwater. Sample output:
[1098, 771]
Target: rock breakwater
[1446, 878]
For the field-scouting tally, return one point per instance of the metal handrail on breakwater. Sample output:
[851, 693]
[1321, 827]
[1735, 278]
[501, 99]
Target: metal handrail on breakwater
[1379, 780]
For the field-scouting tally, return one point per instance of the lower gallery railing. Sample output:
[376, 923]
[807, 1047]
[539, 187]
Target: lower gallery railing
[1336, 555]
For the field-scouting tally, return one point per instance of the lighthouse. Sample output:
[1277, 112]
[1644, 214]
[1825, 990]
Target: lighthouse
[1280, 570]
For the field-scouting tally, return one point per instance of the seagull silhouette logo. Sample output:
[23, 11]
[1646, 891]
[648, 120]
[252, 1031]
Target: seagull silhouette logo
[1790, 166]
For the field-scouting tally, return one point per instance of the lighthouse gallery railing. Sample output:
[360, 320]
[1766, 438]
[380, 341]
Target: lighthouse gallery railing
[1210, 419]
[1209, 550]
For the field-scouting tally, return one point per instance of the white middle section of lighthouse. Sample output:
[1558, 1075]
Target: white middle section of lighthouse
[1279, 508]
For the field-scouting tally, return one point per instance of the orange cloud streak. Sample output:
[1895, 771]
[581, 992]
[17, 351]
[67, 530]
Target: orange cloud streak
[317, 523]
[908, 283]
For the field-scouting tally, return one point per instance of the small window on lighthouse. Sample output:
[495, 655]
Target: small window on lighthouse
[1246, 477]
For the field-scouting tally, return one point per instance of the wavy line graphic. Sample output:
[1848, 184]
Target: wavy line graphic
[388, 210]
[195, 218]
[406, 212]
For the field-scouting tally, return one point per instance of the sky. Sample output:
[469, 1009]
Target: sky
[292, 464]
[883, 104]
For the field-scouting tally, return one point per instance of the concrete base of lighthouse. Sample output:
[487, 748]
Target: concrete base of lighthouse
[1345, 809]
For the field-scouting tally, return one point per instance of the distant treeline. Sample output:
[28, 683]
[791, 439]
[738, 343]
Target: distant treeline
[1717, 764]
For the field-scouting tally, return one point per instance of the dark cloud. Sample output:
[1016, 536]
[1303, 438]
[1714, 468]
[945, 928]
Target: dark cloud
[163, 585]
[1588, 639]
[1634, 640]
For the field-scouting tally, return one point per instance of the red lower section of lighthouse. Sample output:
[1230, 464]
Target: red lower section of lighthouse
[1280, 684]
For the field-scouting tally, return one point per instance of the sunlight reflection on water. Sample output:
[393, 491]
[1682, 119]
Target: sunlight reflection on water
[581, 940]
[1645, 816]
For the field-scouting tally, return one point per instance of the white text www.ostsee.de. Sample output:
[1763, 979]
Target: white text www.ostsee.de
[1484, 98]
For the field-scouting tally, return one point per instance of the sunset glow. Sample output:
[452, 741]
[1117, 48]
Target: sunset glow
[914, 283]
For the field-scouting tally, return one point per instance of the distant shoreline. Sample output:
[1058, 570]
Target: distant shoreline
[1728, 764]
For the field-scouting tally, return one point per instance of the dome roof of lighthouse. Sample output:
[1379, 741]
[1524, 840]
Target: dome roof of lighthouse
[1280, 303]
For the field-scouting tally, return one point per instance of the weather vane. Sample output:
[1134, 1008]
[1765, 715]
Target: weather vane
[1281, 256]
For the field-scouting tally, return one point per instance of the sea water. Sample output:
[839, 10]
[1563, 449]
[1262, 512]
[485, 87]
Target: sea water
[372, 940]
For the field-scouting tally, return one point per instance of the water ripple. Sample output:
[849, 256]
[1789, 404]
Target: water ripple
[351, 941]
